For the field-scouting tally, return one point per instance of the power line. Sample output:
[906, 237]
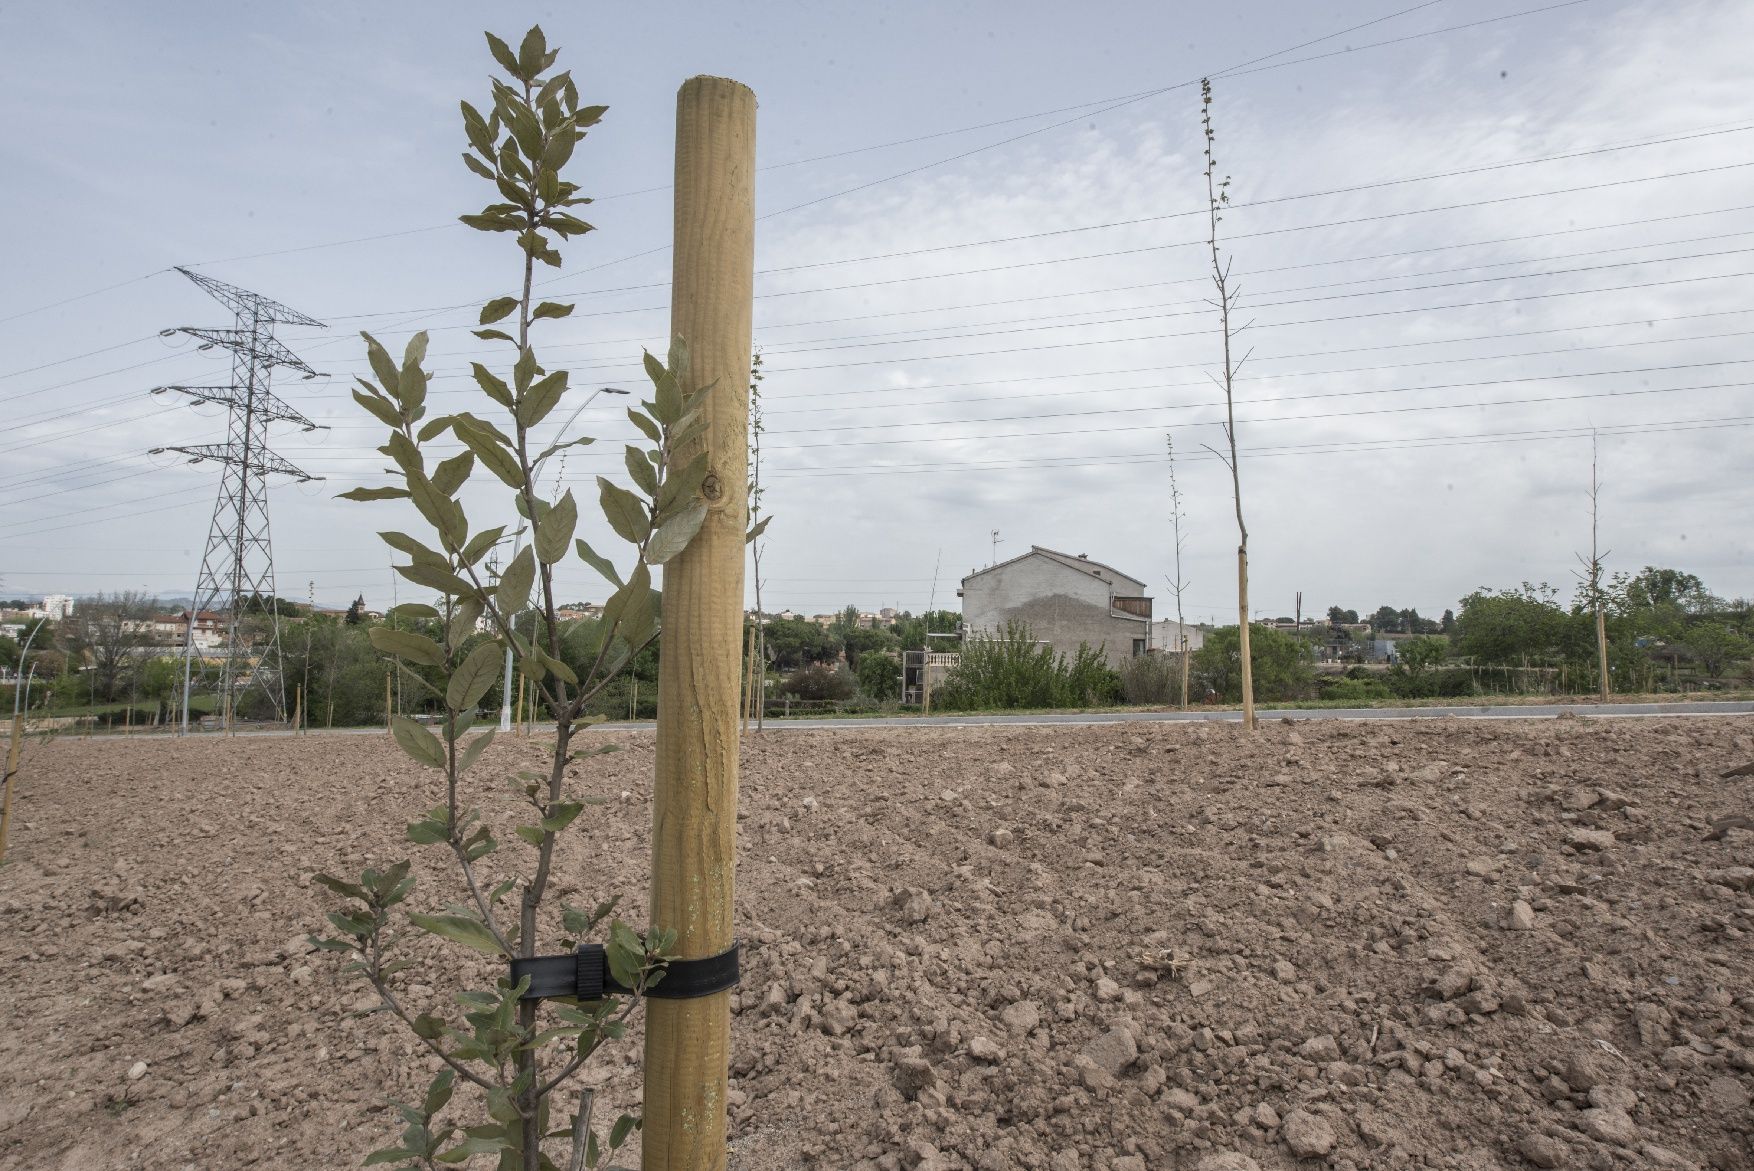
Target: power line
[1101, 461]
[1058, 432]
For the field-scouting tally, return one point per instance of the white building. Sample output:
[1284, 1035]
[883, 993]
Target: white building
[1065, 600]
[57, 607]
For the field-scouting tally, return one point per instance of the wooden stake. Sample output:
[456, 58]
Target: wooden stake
[386, 701]
[12, 755]
[1242, 636]
[694, 802]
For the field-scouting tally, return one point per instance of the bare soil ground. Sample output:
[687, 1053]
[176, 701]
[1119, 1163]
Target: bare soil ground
[1433, 944]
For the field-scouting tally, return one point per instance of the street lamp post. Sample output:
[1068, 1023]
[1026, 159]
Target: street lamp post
[505, 703]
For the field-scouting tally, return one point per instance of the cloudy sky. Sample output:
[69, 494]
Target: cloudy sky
[1466, 234]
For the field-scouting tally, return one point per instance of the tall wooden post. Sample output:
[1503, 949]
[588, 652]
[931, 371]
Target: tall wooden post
[1242, 636]
[694, 800]
[13, 753]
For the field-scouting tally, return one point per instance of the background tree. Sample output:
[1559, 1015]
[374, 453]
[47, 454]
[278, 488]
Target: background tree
[879, 675]
[1282, 667]
[1339, 617]
[110, 633]
[793, 642]
[910, 631]
[1716, 646]
[862, 640]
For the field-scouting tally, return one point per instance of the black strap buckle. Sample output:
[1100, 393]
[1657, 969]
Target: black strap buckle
[584, 974]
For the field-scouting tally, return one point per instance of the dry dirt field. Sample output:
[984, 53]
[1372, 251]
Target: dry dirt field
[1431, 944]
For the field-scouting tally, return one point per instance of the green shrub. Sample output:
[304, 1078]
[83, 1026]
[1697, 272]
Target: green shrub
[1013, 670]
[880, 674]
[1281, 665]
[1152, 679]
[821, 681]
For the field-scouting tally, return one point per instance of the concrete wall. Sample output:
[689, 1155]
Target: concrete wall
[1061, 605]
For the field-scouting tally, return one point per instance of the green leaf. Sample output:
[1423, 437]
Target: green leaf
[463, 929]
[554, 531]
[640, 470]
[489, 451]
[427, 832]
[451, 473]
[645, 424]
[530, 833]
[626, 954]
[473, 750]
[524, 369]
[625, 512]
[382, 408]
[413, 378]
[373, 494]
[674, 534]
[417, 742]
[498, 309]
[480, 543]
[413, 610]
[551, 309]
[432, 427]
[541, 398]
[438, 1093]
[407, 645]
[435, 578]
[601, 564]
[489, 335]
[390, 1155]
[515, 583]
[479, 167]
[622, 1128]
[476, 673]
[502, 53]
[339, 886]
[389, 377]
[496, 389]
[471, 1147]
[533, 55]
[561, 815]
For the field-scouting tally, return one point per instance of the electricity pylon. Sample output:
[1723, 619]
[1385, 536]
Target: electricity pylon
[237, 568]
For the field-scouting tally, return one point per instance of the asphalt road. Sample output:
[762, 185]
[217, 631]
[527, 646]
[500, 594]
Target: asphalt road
[1541, 711]
[1503, 712]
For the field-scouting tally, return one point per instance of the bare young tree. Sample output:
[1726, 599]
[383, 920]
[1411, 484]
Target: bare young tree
[1217, 195]
[1177, 584]
[757, 526]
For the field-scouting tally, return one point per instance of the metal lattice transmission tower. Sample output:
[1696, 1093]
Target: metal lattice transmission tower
[237, 567]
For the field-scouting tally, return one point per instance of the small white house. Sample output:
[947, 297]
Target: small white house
[1065, 600]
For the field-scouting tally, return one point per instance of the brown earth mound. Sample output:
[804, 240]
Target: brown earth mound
[1433, 944]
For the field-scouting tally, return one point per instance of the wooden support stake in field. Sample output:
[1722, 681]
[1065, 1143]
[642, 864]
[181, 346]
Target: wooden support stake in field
[13, 749]
[694, 803]
[386, 701]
